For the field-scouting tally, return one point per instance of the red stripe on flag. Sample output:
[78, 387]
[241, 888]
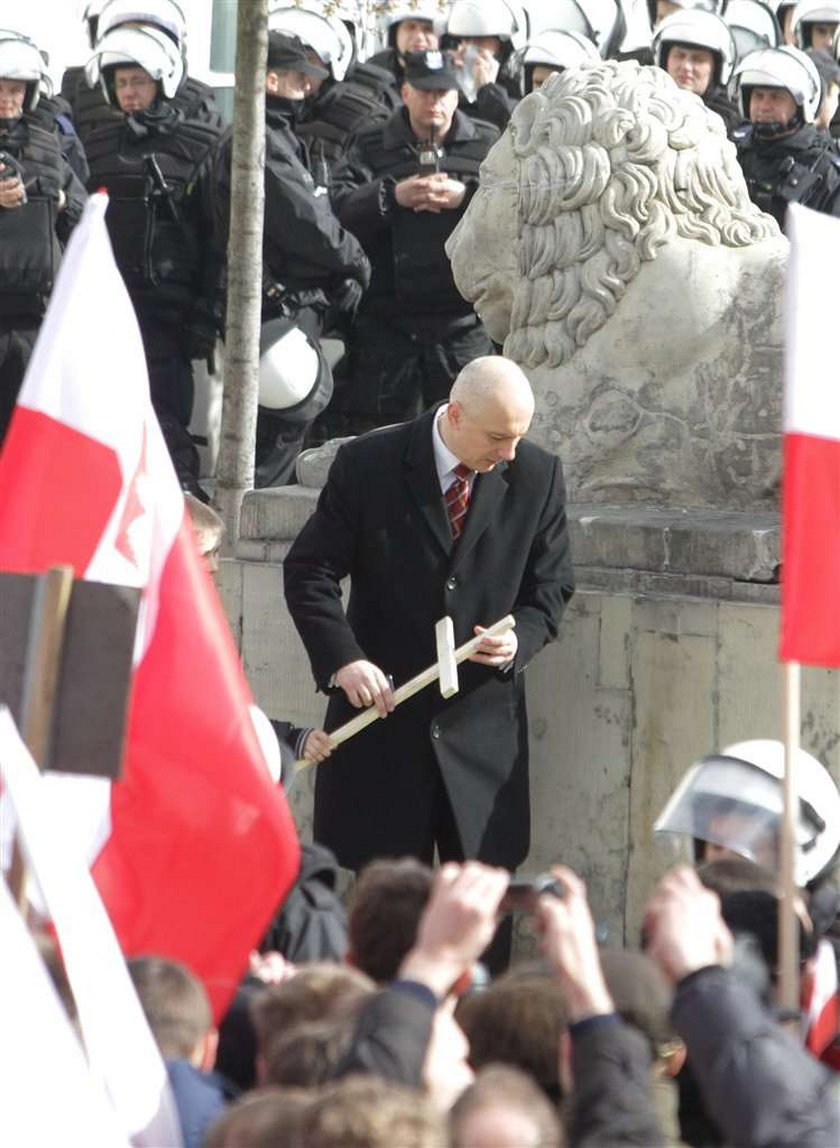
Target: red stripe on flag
[811, 551]
[65, 484]
[202, 843]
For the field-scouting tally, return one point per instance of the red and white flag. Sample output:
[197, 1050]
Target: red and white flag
[811, 483]
[194, 848]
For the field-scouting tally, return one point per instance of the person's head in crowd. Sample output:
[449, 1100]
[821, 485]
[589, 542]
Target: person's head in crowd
[779, 90]
[325, 38]
[829, 71]
[553, 51]
[306, 1055]
[491, 405]
[430, 94]
[520, 1020]
[696, 49]
[209, 530]
[726, 875]
[319, 992]
[413, 28]
[504, 1108]
[291, 73]
[138, 66]
[364, 1112]
[177, 1008]
[22, 72]
[385, 909]
[269, 1118]
[643, 999]
[730, 805]
[495, 26]
[814, 23]
[752, 916]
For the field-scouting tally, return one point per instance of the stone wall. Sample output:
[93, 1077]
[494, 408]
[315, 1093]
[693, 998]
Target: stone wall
[668, 651]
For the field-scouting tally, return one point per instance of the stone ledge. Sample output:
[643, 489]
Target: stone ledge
[734, 547]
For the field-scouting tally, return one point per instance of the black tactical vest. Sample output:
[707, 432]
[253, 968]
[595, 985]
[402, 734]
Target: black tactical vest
[422, 275]
[152, 217]
[334, 119]
[29, 249]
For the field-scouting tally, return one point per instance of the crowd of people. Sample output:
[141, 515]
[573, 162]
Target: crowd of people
[370, 164]
[405, 1020]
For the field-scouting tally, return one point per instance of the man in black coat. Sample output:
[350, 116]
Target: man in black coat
[446, 773]
[402, 191]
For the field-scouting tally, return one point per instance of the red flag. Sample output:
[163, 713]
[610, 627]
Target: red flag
[194, 848]
[811, 499]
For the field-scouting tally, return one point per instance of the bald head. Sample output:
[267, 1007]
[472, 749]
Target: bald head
[490, 408]
[493, 380]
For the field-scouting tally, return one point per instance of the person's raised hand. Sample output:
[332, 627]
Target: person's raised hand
[457, 925]
[485, 68]
[365, 685]
[571, 948]
[683, 926]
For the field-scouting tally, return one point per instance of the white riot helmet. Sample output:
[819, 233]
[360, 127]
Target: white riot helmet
[734, 799]
[166, 15]
[91, 19]
[21, 59]
[784, 67]
[147, 48]
[503, 18]
[601, 21]
[809, 12]
[717, 6]
[696, 28]
[295, 380]
[326, 35]
[753, 25]
[558, 51]
[394, 14]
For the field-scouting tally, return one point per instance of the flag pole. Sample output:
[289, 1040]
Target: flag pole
[788, 920]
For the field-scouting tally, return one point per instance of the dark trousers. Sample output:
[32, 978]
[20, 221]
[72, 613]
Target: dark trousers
[443, 834]
[16, 346]
[396, 369]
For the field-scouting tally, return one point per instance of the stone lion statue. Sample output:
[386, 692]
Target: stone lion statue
[613, 250]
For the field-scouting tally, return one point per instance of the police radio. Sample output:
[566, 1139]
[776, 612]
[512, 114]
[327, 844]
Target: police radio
[429, 156]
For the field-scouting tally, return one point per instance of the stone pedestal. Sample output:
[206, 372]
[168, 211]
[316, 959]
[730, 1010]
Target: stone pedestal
[668, 651]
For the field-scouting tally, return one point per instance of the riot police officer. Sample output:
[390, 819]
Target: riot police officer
[82, 91]
[157, 166]
[697, 50]
[351, 95]
[314, 271]
[785, 159]
[403, 189]
[40, 202]
[408, 28]
[485, 36]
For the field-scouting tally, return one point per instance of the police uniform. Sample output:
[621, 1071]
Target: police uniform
[413, 331]
[31, 240]
[314, 270]
[800, 168]
[156, 166]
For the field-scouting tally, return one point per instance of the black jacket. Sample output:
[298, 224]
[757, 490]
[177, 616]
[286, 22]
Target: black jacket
[800, 168]
[306, 251]
[718, 100]
[759, 1085]
[411, 271]
[157, 167]
[32, 236]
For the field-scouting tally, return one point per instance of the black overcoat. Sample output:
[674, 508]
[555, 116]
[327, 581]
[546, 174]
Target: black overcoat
[381, 519]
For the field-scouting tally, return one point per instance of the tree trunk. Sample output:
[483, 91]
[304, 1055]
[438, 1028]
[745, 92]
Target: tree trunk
[244, 263]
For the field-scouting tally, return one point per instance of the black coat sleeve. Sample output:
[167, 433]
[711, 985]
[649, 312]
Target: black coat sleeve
[320, 557]
[758, 1084]
[392, 1036]
[611, 1104]
[548, 581]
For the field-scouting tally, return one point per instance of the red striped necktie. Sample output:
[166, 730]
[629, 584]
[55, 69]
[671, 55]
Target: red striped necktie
[457, 499]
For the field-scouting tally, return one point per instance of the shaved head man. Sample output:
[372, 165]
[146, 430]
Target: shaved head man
[452, 513]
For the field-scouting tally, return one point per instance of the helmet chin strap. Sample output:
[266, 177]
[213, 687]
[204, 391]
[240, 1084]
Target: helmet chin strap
[776, 129]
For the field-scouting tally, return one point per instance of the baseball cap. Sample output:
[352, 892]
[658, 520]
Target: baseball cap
[430, 71]
[289, 55]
